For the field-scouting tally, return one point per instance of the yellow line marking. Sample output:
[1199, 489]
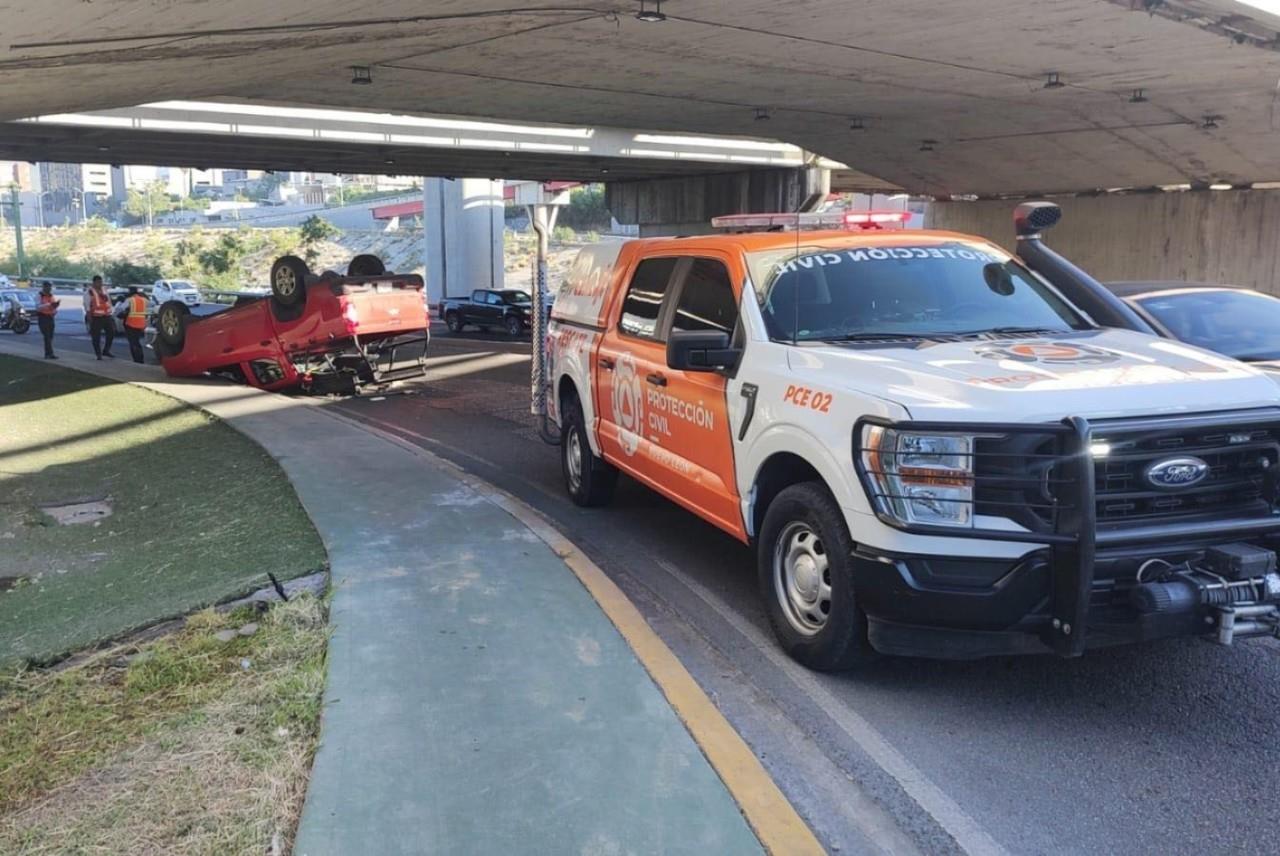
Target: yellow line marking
[770, 814]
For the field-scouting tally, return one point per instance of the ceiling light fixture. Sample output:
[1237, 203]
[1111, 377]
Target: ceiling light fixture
[104, 148]
[762, 114]
[361, 75]
[1210, 122]
[927, 145]
[1139, 96]
[1054, 81]
[857, 123]
[651, 16]
[1220, 185]
[389, 162]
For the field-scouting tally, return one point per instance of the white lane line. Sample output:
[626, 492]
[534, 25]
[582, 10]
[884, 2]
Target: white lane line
[957, 823]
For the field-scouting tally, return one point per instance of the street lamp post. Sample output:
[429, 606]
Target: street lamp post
[17, 230]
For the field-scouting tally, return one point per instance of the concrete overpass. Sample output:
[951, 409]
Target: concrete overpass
[257, 136]
[968, 97]
[964, 100]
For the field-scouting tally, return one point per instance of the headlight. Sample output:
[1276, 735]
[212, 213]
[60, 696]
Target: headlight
[920, 478]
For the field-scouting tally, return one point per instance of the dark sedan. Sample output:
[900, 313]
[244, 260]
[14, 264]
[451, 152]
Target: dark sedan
[1231, 320]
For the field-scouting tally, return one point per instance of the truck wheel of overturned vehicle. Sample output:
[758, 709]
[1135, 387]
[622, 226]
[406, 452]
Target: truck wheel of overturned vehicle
[289, 280]
[366, 264]
[589, 479]
[453, 321]
[805, 567]
[513, 325]
[171, 326]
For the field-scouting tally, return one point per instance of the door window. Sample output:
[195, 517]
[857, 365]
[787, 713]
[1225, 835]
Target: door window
[643, 302]
[706, 300]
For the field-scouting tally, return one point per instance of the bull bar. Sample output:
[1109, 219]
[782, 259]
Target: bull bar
[1072, 535]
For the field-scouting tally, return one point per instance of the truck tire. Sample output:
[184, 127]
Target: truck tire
[289, 280]
[589, 479]
[513, 325]
[366, 264]
[805, 568]
[453, 321]
[171, 326]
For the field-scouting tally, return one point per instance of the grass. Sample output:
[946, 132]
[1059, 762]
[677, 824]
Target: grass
[185, 744]
[200, 513]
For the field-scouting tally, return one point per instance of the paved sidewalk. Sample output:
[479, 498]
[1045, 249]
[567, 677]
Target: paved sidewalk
[479, 701]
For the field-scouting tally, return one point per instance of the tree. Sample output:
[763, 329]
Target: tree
[586, 209]
[146, 203]
[312, 233]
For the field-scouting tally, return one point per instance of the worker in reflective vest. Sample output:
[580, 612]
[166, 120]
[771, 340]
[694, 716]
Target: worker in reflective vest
[100, 321]
[135, 322]
[46, 310]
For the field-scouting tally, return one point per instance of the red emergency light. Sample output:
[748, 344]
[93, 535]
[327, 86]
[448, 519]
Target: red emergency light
[851, 220]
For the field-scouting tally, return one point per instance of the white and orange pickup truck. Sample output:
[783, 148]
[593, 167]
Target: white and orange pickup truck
[935, 451]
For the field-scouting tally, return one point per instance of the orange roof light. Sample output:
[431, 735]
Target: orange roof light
[851, 220]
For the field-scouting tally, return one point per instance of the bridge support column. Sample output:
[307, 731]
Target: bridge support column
[462, 235]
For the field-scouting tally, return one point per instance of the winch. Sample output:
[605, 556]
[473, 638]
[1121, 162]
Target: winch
[1235, 585]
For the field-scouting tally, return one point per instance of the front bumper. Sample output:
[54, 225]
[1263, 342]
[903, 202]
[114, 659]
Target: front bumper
[1070, 592]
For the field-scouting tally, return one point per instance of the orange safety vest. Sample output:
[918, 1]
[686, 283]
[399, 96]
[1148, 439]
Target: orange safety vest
[99, 304]
[137, 317]
[48, 306]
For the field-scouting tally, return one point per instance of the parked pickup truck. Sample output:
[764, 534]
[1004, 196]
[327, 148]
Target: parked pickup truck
[933, 451]
[508, 308]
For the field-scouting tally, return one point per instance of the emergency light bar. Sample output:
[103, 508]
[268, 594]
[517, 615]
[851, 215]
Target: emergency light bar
[851, 220]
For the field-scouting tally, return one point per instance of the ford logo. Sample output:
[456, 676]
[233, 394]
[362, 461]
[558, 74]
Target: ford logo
[1176, 473]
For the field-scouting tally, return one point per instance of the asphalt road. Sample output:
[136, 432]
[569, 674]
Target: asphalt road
[1170, 748]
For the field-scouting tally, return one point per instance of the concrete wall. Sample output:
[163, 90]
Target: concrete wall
[685, 206]
[1228, 236]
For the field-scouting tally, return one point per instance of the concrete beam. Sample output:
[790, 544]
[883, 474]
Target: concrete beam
[685, 206]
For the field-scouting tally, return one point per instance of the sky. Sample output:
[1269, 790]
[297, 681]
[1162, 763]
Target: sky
[1272, 6]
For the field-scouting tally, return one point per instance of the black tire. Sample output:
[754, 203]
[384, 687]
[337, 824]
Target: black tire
[513, 325]
[453, 321]
[805, 551]
[590, 480]
[289, 281]
[171, 326]
[20, 325]
[366, 264]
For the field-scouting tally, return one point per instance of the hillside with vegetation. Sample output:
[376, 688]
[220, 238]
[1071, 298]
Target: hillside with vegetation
[237, 258]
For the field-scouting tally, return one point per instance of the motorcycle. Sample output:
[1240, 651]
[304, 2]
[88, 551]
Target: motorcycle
[16, 320]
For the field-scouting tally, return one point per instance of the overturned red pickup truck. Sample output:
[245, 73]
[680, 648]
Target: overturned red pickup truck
[321, 333]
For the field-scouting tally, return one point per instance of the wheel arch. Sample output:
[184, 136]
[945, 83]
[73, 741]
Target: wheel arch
[790, 457]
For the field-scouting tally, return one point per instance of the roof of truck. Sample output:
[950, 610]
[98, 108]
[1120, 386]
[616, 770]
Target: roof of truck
[764, 241]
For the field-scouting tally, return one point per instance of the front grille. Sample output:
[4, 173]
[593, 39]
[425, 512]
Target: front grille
[1020, 476]
[1236, 485]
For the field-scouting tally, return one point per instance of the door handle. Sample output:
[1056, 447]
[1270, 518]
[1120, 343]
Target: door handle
[607, 363]
[657, 379]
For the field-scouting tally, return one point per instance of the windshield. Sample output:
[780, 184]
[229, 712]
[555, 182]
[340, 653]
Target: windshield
[182, 285]
[513, 298]
[26, 299]
[945, 288]
[1241, 324]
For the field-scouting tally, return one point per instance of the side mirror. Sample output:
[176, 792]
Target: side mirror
[701, 351]
[1032, 218]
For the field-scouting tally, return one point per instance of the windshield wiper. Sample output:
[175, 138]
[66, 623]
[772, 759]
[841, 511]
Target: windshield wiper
[1013, 331]
[878, 337]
